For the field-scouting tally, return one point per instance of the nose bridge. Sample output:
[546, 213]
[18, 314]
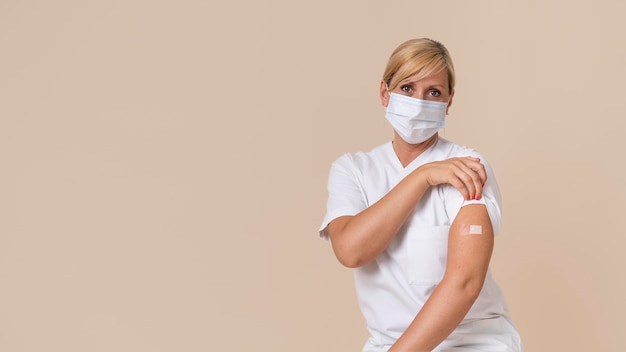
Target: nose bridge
[420, 92]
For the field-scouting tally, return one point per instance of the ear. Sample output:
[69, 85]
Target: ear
[384, 94]
[450, 102]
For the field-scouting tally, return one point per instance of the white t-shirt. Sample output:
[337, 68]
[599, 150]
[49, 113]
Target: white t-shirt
[392, 289]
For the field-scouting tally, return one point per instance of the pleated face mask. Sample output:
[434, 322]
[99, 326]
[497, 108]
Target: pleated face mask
[415, 120]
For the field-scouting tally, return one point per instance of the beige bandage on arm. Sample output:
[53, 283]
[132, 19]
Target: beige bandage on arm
[471, 229]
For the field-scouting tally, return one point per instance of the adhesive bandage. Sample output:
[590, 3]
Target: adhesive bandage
[475, 230]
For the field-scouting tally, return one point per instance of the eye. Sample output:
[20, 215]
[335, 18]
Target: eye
[406, 89]
[434, 93]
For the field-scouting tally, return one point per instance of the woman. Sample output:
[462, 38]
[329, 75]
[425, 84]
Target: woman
[416, 219]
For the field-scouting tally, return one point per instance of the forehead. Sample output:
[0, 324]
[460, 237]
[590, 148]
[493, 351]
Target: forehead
[437, 78]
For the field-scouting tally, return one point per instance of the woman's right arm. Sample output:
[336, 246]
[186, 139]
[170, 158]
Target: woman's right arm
[359, 239]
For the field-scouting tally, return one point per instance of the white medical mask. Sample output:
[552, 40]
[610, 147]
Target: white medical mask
[415, 120]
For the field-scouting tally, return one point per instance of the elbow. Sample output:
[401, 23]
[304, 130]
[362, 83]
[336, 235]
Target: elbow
[351, 264]
[472, 291]
[348, 256]
[351, 251]
[349, 260]
[469, 288]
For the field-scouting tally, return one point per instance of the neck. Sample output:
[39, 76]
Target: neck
[406, 152]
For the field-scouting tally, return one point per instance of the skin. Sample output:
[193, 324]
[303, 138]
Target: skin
[358, 240]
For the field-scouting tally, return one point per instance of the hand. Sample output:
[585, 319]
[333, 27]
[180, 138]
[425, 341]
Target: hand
[466, 174]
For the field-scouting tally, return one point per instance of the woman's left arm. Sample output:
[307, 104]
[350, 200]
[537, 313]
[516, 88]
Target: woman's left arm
[470, 244]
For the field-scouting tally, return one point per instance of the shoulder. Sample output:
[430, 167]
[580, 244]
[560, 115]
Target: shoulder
[453, 150]
[363, 160]
[447, 149]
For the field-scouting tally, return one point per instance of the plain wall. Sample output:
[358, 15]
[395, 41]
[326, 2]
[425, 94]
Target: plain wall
[163, 166]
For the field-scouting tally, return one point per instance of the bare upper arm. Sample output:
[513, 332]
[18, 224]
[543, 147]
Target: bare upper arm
[470, 244]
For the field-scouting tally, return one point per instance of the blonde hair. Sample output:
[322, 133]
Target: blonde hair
[418, 58]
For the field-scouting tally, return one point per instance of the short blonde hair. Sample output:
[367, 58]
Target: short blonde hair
[420, 57]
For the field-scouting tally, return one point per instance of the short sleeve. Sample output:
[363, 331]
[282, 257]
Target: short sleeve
[491, 198]
[345, 193]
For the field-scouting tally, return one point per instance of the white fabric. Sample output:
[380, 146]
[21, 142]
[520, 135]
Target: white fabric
[392, 289]
[415, 120]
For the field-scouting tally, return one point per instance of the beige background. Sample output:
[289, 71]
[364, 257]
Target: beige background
[163, 166]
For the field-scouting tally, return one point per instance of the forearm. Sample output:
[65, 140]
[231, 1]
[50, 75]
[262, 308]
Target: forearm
[441, 314]
[360, 239]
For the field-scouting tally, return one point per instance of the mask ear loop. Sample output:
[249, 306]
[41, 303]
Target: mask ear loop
[443, 130]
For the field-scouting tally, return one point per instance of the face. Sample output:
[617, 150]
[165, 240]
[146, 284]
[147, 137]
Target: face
[433, 87]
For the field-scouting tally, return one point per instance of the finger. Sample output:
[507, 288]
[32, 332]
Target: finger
[479, 181]
[479, 169]
[469, 179]
[465, 175]
[460, 186]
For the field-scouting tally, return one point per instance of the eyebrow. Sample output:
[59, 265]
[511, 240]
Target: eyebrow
[439, 86]
[412, 83]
